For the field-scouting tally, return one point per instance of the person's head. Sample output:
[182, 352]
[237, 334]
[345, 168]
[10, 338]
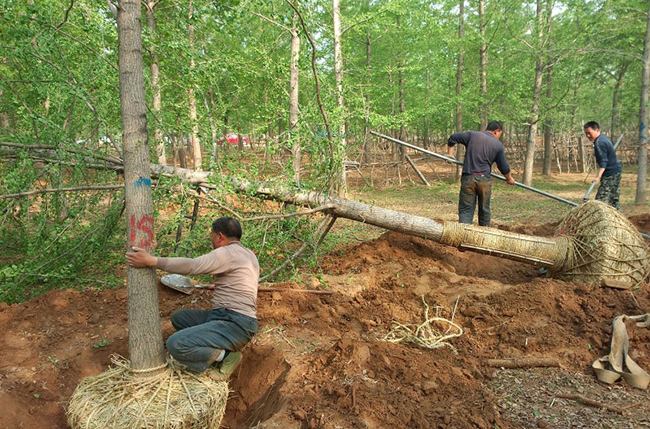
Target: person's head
[224, 231]
[495, 128]
[592, 130]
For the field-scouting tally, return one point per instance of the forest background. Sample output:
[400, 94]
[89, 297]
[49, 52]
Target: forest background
[286, 92]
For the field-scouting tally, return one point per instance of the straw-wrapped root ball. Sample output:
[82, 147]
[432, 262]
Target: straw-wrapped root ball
[602, 245]
[170, 398]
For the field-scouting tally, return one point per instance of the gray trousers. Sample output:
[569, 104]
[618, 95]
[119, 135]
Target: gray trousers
[474, 190]
[201, 332]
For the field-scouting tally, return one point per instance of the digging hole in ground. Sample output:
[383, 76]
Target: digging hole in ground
[255, 389]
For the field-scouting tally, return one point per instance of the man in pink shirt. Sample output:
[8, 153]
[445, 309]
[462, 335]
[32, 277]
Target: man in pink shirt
[213, 338]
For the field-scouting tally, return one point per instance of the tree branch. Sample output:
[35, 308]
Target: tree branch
[314, 72]
[65, 17]
[53, 190]
[322, 229]
[284, 216]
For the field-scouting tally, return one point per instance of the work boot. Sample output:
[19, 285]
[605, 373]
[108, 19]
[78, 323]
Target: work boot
[229, 363]
[221, 371]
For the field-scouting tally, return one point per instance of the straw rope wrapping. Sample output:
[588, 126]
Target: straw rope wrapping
[506, 244]
[126, 399]
[426, 334]
[604, 245]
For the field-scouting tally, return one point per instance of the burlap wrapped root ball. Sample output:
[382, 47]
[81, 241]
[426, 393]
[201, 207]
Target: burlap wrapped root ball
[170, 398]
[603, 245]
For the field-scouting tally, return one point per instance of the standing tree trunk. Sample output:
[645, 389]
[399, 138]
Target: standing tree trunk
[643, 120]
[484, 64]
[402, 105]
[366, 98]
[293, 98]
[209, 103]
[145, 336]
[155, 87]
[529, 163]
[4, 117]
[616, 96]
[548, 124]
[196, 144]
[460, 149]
[338, 74]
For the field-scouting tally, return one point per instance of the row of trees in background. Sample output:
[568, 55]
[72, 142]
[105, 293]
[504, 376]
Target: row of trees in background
[303, 83]
[310, 78]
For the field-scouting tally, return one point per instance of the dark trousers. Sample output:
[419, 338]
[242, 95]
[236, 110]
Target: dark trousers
[201, 332]
[473, 190]
[609, 190]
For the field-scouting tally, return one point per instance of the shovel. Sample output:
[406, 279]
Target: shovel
[181, 283]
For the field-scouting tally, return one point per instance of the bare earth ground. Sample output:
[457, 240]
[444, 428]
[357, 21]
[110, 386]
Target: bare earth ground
[319, 361]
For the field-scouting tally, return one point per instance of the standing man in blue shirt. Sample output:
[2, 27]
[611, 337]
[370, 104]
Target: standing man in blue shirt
[483, 148]
[609, 168]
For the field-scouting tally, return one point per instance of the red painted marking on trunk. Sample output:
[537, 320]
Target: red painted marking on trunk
[142, 227]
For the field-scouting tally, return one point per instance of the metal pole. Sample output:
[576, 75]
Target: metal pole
[455, 161]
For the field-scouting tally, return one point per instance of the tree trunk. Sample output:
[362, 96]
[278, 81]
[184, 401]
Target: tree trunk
[548, 125]
[196, 144]
[293, 98]
[402, 104]
[534, 111]
[4, 116]
[643, 120]
[155, 87]
[366, 98]
[616, 96]
[208, 101]
[547, 251]
[145, 336]
[460, 149]
[338, 74]
[483, 65]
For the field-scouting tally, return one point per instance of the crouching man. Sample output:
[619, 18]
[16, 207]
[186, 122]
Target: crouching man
[211, 339]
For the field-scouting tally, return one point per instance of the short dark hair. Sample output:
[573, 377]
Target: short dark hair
[494, 125]
[591, 124]
[228, 226]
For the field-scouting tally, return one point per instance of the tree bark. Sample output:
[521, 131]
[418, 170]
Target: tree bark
[209, 107]
[155, 87]
[338, 74]
[366, 98]
[483, 65]
[460, 65]
[548, 125]
[293, 98]
[529, 162]
[644, 120]
[145, 336]
[402, 104]
[195, 143]
[616, 97]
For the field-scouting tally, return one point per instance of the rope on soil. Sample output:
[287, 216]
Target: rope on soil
[171, 398]
[426, 334]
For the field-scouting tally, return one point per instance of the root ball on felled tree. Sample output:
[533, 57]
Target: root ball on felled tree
[603, 245]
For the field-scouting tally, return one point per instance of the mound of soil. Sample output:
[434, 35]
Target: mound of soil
[320, 360]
